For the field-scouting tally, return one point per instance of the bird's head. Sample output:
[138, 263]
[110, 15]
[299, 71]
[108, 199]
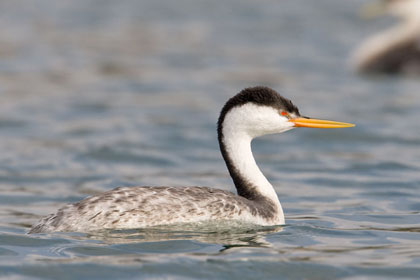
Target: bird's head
[259, 111]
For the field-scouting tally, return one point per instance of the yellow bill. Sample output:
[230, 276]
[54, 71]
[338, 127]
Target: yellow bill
[307, 122]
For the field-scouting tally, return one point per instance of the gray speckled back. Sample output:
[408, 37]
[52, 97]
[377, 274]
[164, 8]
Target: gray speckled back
[136, 207]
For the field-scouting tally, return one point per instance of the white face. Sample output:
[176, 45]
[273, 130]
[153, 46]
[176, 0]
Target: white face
[256, 120]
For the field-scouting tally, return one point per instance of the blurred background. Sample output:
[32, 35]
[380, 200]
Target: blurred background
[99, 94]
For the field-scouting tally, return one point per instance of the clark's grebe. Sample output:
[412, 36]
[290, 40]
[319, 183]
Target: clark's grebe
[251, 113]
[396, 50]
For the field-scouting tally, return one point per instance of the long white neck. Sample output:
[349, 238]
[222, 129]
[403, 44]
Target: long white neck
[238, 149]
[235, 144]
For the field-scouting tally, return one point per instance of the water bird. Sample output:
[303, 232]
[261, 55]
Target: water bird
[396, 50]
[251, 113]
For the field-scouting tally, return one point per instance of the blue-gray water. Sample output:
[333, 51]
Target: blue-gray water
[98, 94]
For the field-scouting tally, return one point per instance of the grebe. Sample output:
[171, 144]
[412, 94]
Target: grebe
[396, 50]
[251, 113]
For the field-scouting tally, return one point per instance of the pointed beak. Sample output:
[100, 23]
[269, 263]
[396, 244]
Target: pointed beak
[315, 123]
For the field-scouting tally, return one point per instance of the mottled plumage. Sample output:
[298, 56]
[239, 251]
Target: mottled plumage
[136, 207]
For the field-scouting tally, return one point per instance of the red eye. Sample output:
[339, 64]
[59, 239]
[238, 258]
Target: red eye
[283, 113]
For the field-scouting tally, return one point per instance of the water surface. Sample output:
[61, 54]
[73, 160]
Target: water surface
[95, 95]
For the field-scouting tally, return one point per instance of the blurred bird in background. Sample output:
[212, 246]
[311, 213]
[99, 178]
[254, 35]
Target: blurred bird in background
[395, 50]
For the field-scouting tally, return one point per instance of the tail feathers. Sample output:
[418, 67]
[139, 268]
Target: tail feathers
[44, 225]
